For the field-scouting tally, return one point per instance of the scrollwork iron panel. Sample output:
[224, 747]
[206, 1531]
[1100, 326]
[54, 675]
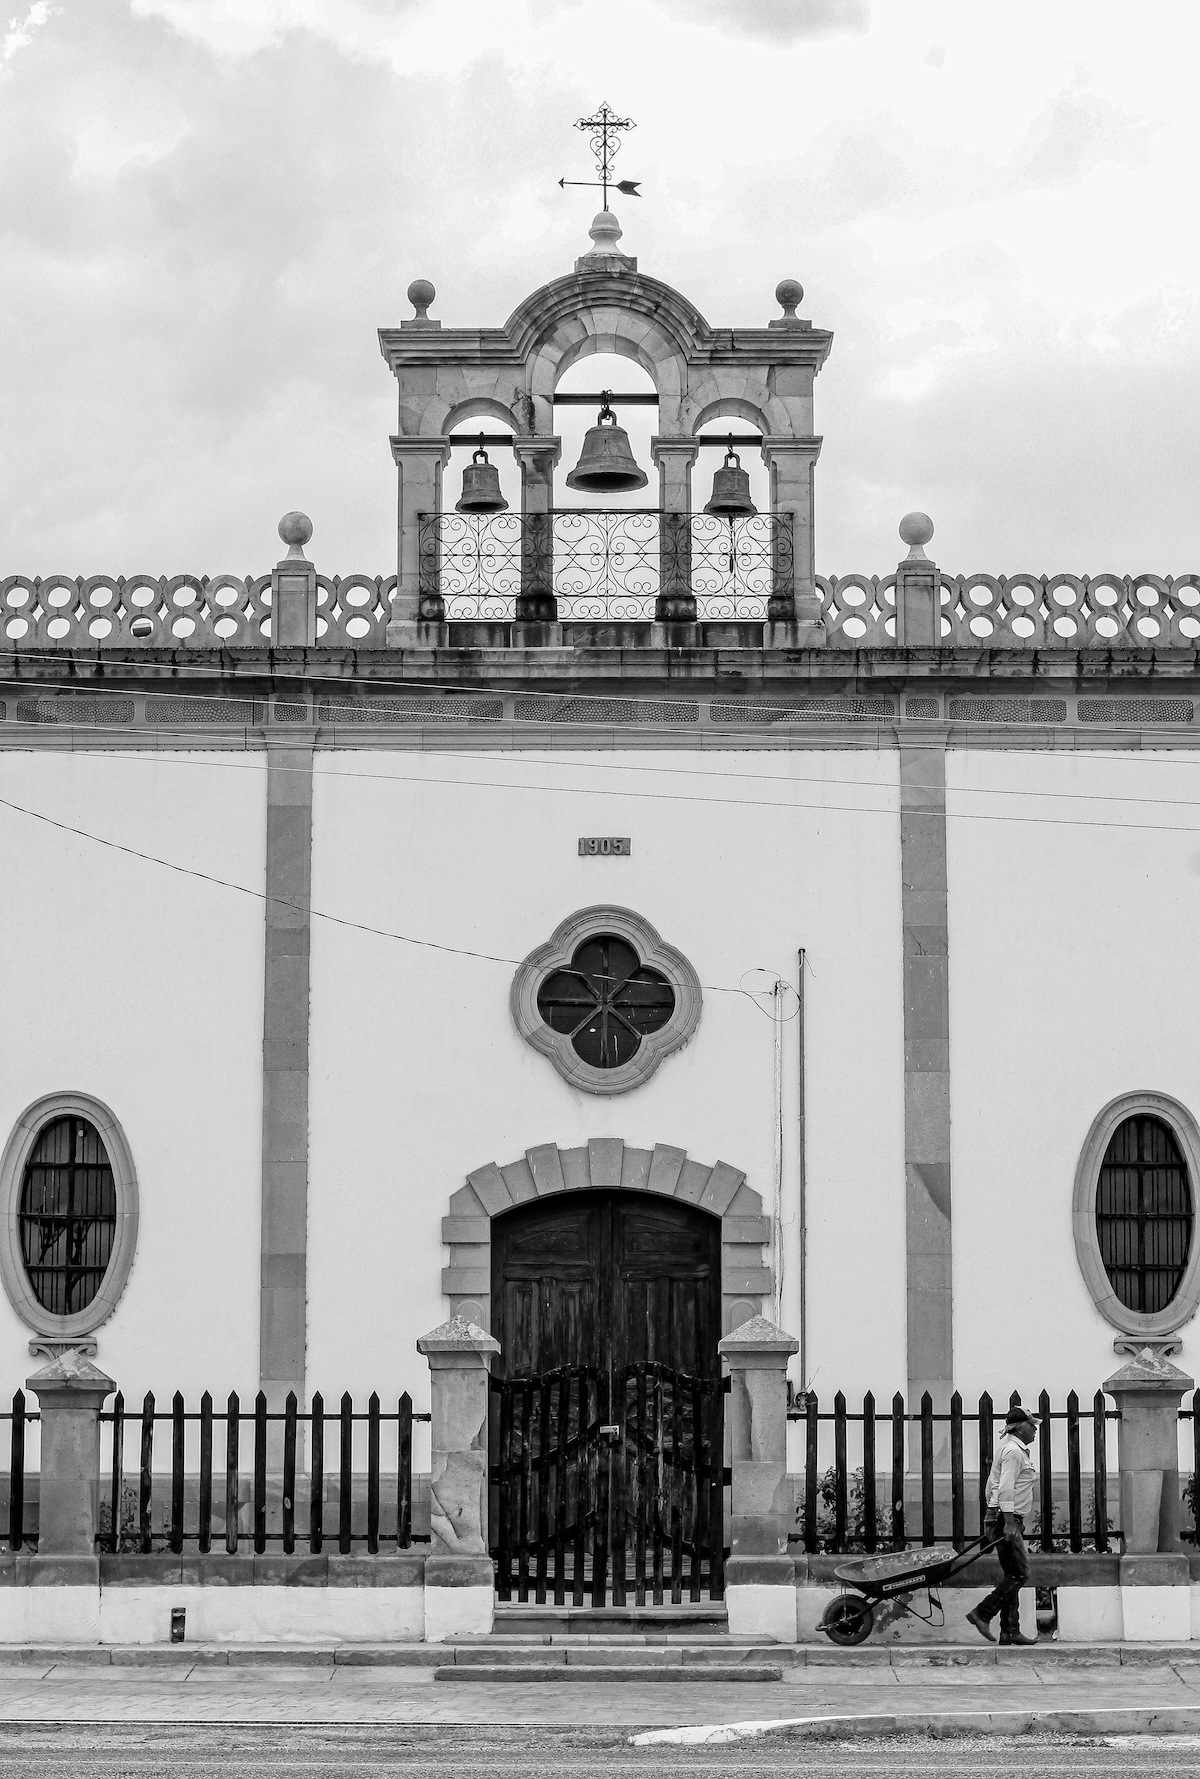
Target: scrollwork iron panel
[602, 565]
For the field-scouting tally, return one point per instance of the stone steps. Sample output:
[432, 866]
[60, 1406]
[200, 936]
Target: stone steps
[642, 1674]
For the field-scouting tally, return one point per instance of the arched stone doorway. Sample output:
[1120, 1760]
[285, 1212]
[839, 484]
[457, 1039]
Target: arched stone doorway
[608, 1273]
[607, 1164]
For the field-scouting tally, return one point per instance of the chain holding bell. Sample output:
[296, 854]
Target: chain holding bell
[731, 489]
[481, 485]
[606, 464]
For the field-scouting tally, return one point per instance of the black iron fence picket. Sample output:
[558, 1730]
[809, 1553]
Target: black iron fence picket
[276, 1470]
[840, 1508]
[19, 1418]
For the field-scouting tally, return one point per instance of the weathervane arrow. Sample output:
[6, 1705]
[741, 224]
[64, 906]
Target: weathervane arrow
[606, 141]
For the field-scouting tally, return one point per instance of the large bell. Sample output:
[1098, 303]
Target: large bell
[606, 464]
[481, 487]
[731, 489]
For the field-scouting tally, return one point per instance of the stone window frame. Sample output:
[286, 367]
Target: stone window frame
[53, 1332]
[1184, 1129]
[608, 1163]
[556, 954]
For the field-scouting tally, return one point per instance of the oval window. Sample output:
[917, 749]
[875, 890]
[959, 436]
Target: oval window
[68, 1215]
[1144, 1214]
[606, 1001]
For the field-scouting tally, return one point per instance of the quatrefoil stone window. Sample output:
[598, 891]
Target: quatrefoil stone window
[605, 999]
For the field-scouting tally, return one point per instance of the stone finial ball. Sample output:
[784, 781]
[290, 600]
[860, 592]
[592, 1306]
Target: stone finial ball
[420, 294]
[789, 292]
[916, 528]
[295, 528]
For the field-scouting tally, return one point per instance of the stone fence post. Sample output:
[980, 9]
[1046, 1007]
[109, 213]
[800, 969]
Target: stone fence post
[459, 1581]
[71, 1391]
[918, 588]
[294, 588]
[760, 1584]
[1155, 1583]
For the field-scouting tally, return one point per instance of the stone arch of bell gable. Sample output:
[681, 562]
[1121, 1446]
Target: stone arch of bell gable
[607, 1163]
[478, 407]
[626, 333]
[768, 418]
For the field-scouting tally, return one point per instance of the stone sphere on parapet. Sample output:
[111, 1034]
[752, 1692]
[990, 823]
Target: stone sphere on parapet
[421, 294]
[295, 528]
[916, 528]
[789, 292]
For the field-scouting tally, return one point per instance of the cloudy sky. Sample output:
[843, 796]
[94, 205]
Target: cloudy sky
[207, 207]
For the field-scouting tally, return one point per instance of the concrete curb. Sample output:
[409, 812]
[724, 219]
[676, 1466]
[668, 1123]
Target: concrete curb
[1131, 1720]
[725, 1674]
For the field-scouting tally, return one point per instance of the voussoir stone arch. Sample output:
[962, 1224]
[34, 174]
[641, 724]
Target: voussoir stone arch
[607, 1162]
[478, 407]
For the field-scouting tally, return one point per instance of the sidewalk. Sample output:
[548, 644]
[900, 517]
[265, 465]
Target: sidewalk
[1152, 1690]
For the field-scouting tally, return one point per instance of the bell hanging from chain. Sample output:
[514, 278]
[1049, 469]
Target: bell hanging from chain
[731, 489]
[606, 463]
[481, 486]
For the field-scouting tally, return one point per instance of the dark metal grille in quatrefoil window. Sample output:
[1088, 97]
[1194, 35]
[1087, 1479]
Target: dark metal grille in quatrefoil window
[606, 1001]
[1144, 1214]
[68, 1215]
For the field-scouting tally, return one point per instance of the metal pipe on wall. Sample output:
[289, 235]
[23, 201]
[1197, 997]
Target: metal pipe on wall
[803, 1181]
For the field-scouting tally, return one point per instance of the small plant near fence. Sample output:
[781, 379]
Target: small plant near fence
[300, 1486]
[869, 1508]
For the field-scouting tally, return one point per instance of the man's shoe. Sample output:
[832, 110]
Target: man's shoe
[1017, 1637]
[982, 1626]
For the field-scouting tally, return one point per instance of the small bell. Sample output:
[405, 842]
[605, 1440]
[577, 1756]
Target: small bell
[481, 486]
[606, 463]
[731, 489]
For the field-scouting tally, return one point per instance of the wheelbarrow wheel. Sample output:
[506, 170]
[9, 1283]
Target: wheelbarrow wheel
[848, 1620]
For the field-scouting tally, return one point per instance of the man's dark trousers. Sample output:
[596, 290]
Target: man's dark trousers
[1014, 1560]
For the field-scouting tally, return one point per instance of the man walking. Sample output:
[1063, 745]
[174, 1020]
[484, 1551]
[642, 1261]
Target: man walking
[1009, 1498]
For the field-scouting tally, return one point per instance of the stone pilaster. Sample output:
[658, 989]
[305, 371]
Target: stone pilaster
[1154, 1577]
[71, 1391]
[925, 939]
[458, 1570]
[284, 1239]
[536, 613]
[419, 464]
[294, 588]
[759, 1575]
[674, 459]
[791, 463]
[918, 588]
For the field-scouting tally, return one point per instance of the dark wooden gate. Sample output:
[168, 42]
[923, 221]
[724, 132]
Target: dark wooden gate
[606, 1432]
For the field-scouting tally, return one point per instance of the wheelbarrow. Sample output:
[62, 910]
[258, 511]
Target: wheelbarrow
[892, 1580]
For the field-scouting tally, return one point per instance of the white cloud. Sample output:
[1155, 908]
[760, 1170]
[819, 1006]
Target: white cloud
[20, 32]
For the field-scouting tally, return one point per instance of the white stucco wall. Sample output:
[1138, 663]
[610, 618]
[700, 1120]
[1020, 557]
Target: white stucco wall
[418, 1076]
[1072, 951]
[144, 988]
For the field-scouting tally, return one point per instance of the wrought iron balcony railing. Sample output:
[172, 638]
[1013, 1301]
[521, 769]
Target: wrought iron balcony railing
[591, 564]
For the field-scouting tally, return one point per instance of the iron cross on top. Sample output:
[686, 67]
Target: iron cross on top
[605, 140]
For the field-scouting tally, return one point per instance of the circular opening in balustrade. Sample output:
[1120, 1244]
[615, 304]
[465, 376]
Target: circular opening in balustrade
[183, 626]
[17, 596]
[142, 627]
[357, 627]
[58, 628]
[184, 596]
[16, 627]
[100, 597]
[100, 627]
[225, 627]
[58, 596]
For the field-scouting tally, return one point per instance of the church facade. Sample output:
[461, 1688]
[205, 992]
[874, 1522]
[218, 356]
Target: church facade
[605, 928]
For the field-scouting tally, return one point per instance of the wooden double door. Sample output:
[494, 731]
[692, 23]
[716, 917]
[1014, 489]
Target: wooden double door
[606, 1431]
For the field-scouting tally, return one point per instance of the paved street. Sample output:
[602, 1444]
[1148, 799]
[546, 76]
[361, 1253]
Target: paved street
[160, 1752]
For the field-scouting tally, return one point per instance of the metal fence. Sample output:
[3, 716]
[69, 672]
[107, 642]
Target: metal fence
[20, 1528]
[868, 1506]
[603, 566]
[300, 1476]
